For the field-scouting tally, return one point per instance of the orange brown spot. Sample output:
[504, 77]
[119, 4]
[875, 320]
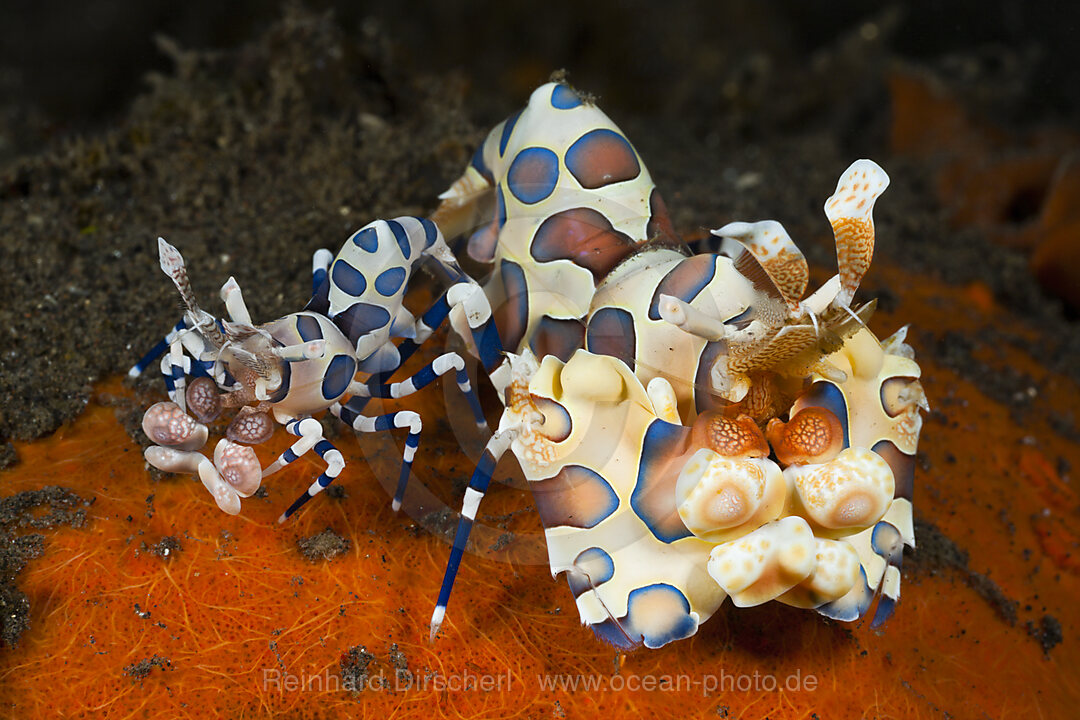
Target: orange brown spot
[730, 437]
[814, 435]
[583, 236]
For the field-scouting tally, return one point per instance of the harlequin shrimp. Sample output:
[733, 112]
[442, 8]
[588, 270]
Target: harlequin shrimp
[304, 363]
[669, 518]
[655, 523]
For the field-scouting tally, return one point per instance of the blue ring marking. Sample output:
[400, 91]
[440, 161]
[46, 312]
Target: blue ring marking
[558, 498]
[500, 206]
[348, 279]
[533, 174]
[681, 627]
[478, 163]
[684, 281]
[360, 318]
[385, 422]
[431, 232]
[652, 500]
[557, 336]
[563, 98]
[902, 465]
[513, 314]
[508, 127]
[367, 239]
[603, 570]
[322, 447]
[317, 279]
[283, 389]
[886, 542]
[851, 606]
[611, 332]
[338, 376]
[595, 170]
[885, 608]
[348, 415]
[289, 456]
[705, 398]
[390, 281]
[490, 346]
[309, 328]
[402, 238]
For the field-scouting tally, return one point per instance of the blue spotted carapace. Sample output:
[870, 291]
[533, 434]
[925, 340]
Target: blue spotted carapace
[307, 362]
[692, 429]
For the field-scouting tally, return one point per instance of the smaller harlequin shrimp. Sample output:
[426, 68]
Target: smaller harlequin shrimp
[304, 363]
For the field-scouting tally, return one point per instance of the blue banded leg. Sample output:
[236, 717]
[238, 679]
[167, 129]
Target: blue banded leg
[488, 346]
[320, 266]
[430, 321]
[424, 377]
[379, 423]
[427, 323]
[311, 437]
[473, 321]
[478, 484]
[176, 366]
[174, 374]
[158, 350]
[485, 336]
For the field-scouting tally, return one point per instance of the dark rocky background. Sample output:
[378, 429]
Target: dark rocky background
[250, 134]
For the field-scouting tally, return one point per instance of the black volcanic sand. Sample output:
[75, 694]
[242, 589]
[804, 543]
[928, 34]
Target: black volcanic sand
[249, 159]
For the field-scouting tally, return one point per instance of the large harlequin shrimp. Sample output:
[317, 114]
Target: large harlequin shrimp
[306, 362]
[715, 332]
[568, 199]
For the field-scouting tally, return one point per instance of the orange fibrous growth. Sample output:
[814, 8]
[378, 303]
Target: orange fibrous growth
[161, 606]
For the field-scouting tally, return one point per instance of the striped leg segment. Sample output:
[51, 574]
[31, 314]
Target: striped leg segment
[158, 350]
[430, 321]
[174, 368]
[470, 315]
[320, 266]
[175, 365]
[311, 437]
[178, 367]
[486, 336]
[497, 445]
[401, 419]
[424, 377]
